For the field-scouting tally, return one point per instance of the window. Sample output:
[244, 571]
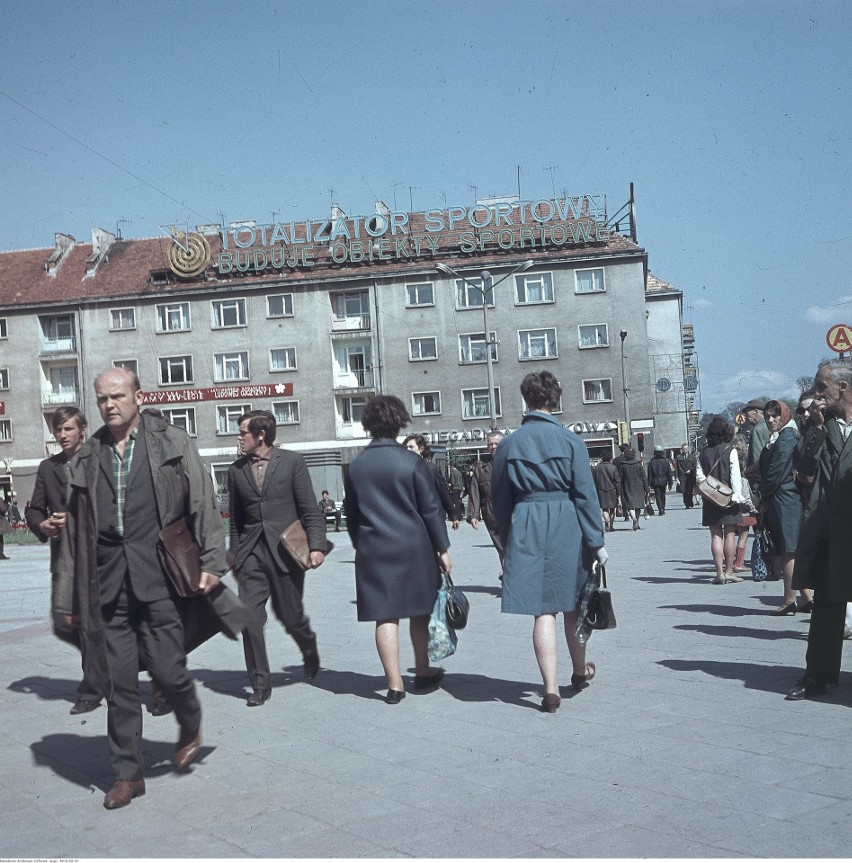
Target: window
[122, 319]
[61, 386]
[472, 347]
[599, 390]
[228, 418]
[4, 332]
[4, 379]
[220, 479]
[425, 403]
[589, 281]
[172, 317]
[537, 344]
[536, 288]
[176, 370]
[353, 365]
[351, 310]
[423, 349]
[286, 413]
[476, 404]
[469, 296]
[57, 333]
[232, 366]
[594, 335]
[279, 306]
[352, 409]
[420, 294]
[282, 359]
[229, 313]
[130, 365]
[5, 431]
[183, 418]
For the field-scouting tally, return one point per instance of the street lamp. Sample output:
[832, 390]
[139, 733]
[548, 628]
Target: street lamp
[486, 288]
[623, 335]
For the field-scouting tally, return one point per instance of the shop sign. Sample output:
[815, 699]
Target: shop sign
[209, 394]
[480, 435]
[344, 240]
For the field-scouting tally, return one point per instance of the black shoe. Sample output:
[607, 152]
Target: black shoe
[789, 608]
[424, 682]
[83, 705]
[258, 697]
[806, 688]
[312, 664]
[807, 608]
[394, 696]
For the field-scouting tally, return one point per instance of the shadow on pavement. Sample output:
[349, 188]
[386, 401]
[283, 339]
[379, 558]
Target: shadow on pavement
[720, 610]
[235, 684]
[761, 677]
[743, 632]
[47, 688]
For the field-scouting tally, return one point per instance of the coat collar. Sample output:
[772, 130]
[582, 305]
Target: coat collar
[533, 416]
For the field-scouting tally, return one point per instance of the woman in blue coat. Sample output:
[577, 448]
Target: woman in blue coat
[397, 528]
[550, 524]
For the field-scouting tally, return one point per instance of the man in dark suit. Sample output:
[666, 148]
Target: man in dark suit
[824, 550]
[135, 476]
[269, 489]
[479, 496]
[45, 517]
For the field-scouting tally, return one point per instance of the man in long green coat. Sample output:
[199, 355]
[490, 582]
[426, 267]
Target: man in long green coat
[824, 554]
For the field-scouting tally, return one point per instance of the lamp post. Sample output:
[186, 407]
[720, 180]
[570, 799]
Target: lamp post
[623, 335]
[486, 288]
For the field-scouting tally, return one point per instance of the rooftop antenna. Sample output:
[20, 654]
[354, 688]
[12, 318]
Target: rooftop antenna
[472, 189]
[411, 198]
[394, 188]
[118, 225]
[552, 169]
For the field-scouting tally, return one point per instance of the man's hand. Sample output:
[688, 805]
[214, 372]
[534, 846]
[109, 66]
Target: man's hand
[817, 417]
[317, 557]
[456, 524]
[49, 528]
[474, 523]
[208, 582]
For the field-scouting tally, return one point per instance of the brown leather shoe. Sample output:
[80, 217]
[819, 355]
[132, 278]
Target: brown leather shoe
[122, 792]
[187, 749]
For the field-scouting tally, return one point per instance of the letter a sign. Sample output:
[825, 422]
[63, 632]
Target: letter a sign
[839, 338]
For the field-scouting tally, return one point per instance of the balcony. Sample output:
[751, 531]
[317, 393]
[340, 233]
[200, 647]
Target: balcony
[354, 379]
[350, 323]
[60, 396]
[66, 345]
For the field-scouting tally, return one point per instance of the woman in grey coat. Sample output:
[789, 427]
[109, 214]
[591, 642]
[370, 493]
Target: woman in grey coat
[397, 528]
[634, 485]
[549, 520]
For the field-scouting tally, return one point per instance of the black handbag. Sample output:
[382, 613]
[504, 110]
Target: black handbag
[600, 613]
[457, 605]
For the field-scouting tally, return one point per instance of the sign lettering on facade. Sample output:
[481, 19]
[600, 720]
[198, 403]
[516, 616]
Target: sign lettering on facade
[209, 394]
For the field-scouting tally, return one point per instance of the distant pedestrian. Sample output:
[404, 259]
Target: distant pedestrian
[634, 486]
[479, 496]
[608, 486]
[417, 444]
[685, 463]
[660, 477]
[719, 459]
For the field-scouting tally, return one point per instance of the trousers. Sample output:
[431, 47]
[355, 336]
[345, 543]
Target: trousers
[154, 630]
[260, 578]
[825, 639]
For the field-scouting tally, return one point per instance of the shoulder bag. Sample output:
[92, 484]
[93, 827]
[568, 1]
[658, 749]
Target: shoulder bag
[713, 489]
[596, 611]
[458, 605]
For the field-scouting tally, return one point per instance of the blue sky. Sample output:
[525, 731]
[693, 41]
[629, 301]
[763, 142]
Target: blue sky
[733, 119]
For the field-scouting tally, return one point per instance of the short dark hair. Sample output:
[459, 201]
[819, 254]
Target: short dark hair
[68, 412]
[384, 416]
[541, 390]
[606, 455]
[260, 421]
[425, 449]
[629, 454]
[719, 431]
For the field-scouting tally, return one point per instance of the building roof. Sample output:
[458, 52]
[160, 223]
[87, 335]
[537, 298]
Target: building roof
[111, 267]
[655, 285]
